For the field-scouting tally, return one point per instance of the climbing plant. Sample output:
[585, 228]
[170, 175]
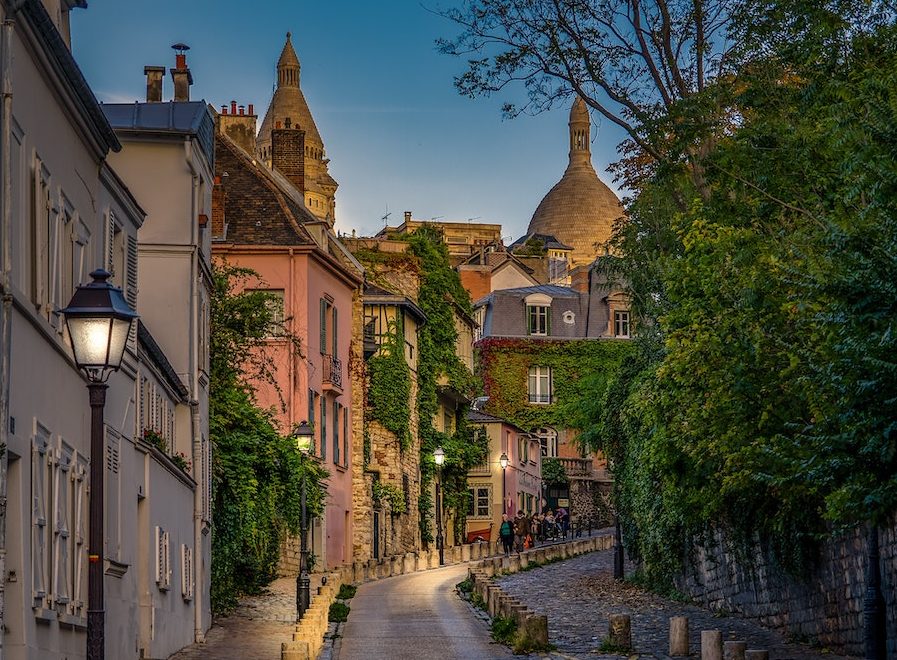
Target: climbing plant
[553, 472]
[389, 385]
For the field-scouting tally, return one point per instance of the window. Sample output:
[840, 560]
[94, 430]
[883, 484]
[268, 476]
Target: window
[336, 409]
[447, 421]
[539, 385]
[345, 436]
[548, 439]
[478, 502]
[569, 317]
[312, 401]
[329, 327]
[523, 448]
[621, 323]
[324, 314]
[163, 560]
[557, 266]
[186, 572]
[275, 306]
[537, 319]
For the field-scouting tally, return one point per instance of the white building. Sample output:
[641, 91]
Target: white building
[67, 212]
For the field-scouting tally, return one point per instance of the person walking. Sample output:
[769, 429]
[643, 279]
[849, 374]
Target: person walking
[521, 530]
[506, 533]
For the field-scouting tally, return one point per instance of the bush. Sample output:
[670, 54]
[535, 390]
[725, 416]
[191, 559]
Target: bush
[346, 592]
[338, 613]
[504, 630]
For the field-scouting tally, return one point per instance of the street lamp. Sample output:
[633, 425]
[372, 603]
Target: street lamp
[99, 320]
[503, 461]
[439, 458]
[304, 436]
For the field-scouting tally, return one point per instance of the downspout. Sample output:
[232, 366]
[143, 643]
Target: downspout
[292, 415]
[198, 568]
[6, 293]
[589, 300]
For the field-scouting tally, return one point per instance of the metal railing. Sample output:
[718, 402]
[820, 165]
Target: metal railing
[333, 370]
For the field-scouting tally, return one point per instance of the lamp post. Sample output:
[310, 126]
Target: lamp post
[304, 436]
[98, 319]
[503, 461]
[439, 458]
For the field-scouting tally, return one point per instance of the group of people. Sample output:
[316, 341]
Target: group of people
[525, 531]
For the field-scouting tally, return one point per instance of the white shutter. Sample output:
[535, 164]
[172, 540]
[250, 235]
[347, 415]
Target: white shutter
[61, 530]
[110, 244]
[79, 536]
[163, 566]
[186, 572]
[131, 288]
[40, 455]
[113, 493]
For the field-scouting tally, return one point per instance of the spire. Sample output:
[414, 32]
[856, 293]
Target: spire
[580, 128]
[288, 66]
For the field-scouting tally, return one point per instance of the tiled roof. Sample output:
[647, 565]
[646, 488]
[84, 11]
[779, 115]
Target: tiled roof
[257, 210]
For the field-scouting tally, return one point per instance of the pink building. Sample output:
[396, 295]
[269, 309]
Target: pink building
[260, 221]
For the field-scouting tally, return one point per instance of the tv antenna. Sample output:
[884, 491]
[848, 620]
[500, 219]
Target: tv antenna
[437, 217]
[385, 217]
[472, 219]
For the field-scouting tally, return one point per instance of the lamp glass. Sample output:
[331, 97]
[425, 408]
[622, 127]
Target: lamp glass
[439, 456]
[304, 437]
[503, 460]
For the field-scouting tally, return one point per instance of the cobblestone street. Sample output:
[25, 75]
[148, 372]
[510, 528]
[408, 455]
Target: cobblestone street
[254, 631]
[579, 594]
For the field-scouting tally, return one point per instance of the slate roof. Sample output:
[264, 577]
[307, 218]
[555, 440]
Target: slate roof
[479, 417]
[551, 242]
[158, 358]
[374, 294]
[551, 290]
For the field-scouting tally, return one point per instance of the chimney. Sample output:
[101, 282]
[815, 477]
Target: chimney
[407, 216]
[154, 75]
[219, 201]
[181, 74]
[288, 154]
[239, 126]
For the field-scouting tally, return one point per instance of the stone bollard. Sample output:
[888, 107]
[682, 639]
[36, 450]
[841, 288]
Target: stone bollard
[434, 558]
[711, 645]
[514, 563]
[294, 651]
[678, 635]
[524, 560]
[734, 650]
[619, 632]
[410, 563]
[756, 654]
[519, 612]
[465, 552]
[535, 629]
[456, 554]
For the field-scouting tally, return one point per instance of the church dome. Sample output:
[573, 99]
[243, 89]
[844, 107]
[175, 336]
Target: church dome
[580, 210]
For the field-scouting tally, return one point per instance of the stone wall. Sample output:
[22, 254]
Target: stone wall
[825, 606]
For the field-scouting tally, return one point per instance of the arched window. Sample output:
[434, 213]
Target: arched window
[548, 440]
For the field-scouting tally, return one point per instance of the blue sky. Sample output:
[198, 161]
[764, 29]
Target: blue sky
[396, 131]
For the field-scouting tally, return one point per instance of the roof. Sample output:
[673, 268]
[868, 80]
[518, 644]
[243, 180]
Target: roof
[551, 290]
[60, 58]
[548, 240]
[258, 208]
[159, 360]
[375, 295]
[479, 417]
[171, 118]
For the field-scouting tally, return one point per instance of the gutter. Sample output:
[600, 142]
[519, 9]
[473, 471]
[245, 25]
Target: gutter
[5, 292]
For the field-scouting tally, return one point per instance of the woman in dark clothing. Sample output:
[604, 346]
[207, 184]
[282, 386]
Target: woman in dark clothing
[506, 533]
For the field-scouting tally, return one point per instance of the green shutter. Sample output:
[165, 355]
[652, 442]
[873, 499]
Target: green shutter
[323, 326]
[335, 334]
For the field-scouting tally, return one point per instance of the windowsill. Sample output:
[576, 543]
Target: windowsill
[540, 403]
[72, 621]
[43, 615]
[341, 468]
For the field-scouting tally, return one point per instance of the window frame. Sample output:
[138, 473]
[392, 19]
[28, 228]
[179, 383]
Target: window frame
[622, 317]
[539, 374]
[535, 314]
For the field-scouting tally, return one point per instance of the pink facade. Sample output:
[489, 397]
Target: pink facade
[312, 379]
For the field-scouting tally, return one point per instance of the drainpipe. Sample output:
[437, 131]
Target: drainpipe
[198, 567]
[6, 293]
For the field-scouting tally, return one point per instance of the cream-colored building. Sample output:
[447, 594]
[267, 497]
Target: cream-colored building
[461, 238]
[69, 212]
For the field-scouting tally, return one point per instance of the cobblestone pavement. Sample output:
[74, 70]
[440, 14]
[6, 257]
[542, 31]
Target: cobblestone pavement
[579, 594]
[255, 630]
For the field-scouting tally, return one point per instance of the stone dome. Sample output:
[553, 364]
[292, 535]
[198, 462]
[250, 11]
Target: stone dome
[580, 210]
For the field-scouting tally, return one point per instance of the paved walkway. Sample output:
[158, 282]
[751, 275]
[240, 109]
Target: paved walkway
[254, 630]
[415, 616]
[579, 594]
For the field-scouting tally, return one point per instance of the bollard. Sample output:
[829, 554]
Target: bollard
[535, 629]
[620, 631]
[711, 645]
[678, 635]
[734, 650]
[756, 654]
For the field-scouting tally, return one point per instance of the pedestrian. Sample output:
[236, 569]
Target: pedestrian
[521, 530]
[506, 533]
[549, 525]
[562, 520]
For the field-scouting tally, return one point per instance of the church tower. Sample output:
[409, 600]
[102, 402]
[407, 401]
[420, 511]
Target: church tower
[289, 109]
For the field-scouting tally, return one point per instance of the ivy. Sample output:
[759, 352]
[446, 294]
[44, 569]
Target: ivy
[391, 494]
[389, 385]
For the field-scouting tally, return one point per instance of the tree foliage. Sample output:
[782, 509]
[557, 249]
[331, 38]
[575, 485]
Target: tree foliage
[257, 474]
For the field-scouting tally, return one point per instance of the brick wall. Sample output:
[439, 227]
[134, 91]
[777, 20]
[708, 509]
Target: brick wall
[825, 606]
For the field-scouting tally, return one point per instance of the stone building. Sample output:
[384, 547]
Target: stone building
[461, 238]
[580, 210]
[289, 109]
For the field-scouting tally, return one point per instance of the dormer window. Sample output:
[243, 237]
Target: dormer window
[621, 323]
[538, 315]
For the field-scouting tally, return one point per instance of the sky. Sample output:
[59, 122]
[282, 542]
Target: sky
[398, 135]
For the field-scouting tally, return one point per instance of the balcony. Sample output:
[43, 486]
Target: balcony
[577, 467]
[333, 373]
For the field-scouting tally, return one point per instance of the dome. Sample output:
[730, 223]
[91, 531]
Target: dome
[580, 210]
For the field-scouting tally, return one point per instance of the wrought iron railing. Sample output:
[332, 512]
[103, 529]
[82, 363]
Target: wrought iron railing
[333, 370]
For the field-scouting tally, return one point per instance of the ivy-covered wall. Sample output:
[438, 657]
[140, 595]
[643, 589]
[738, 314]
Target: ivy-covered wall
[503, 365]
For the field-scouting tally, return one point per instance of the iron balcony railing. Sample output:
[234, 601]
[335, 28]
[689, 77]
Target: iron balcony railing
[333, 370]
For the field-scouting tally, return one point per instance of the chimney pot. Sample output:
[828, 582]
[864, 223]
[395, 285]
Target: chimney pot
[407, 216]
[180, 61]
[242, 110]
[250, 110]
[223, 109]
[287, 123]
[277, 124]
[233, 107]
